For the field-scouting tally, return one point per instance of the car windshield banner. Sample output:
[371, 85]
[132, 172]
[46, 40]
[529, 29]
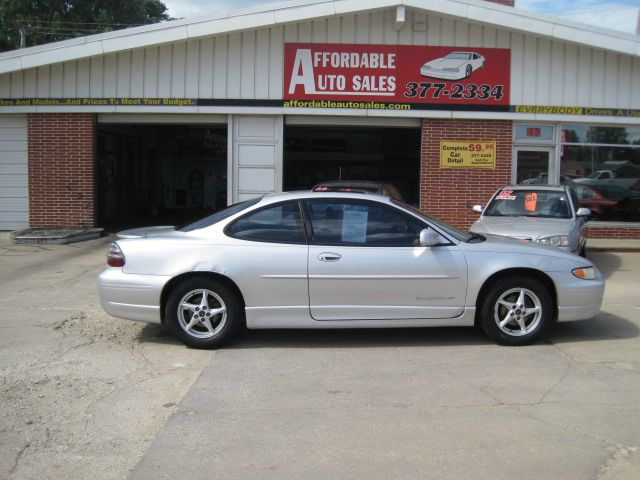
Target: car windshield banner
[397, 74]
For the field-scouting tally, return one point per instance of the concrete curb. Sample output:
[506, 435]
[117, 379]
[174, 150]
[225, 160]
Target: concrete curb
[54, 236]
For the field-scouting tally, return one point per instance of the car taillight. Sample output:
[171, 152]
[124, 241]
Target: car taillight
[115, 257]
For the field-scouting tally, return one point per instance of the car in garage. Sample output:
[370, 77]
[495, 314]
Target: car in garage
[544, 214]
[340, 260]
[361, 186]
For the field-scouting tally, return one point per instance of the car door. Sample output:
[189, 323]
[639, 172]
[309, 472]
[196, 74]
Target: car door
[365, 263]
[270, 259]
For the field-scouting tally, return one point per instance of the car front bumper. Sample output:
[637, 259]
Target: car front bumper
[441, 74]
[579, 299]
[130, 296]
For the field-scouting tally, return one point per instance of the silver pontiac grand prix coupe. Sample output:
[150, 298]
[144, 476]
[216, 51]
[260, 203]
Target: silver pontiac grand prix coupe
[340, 260]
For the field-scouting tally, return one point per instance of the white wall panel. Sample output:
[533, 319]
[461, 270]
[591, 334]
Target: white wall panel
[137, 73]
[150, 72]
[97, 77]
[220, 68]
[83, 76]
[249, 64]
[205, 69]
[192, 70]
[17, 84]
[178, 70]
[70, 83]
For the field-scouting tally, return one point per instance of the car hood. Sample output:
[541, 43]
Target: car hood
[445, 63]
[528, 228]
[142, 232]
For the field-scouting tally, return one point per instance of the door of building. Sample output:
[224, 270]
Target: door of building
[533, 165]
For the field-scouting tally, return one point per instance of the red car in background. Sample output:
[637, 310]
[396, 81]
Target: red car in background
[608, 202]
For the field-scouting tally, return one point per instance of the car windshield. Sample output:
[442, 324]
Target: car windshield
[218, 216]
[458, 56]
[448, 229]
[529, 203]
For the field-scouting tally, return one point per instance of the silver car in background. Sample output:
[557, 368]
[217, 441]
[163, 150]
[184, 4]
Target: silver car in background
[340, 260]
[545, 214]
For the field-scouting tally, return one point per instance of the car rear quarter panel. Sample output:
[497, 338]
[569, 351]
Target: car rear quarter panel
[267, 274]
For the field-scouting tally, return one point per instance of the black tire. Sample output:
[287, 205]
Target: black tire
[583, 250]
[509, 290]
[186, 301]
[468, 71]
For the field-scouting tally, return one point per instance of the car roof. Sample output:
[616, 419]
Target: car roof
[302, 194]
[351, 183]
[535, 186]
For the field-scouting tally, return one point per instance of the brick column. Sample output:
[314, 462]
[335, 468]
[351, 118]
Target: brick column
[448, 193]
[61, 177]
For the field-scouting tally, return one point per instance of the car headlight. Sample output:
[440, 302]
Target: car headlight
[586, 273]
[555, 241]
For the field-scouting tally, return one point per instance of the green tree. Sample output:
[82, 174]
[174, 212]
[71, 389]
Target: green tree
[34, 22]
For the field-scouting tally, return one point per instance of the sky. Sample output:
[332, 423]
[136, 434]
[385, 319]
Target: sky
[621, 15]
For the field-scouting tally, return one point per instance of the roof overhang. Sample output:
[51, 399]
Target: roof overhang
[476, 11]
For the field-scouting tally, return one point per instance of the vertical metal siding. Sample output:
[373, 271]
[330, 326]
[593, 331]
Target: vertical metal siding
[249, 64]
[14, 189]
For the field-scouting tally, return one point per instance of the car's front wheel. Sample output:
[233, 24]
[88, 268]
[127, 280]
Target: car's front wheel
[468, 71]
[516, 310]
[203, 312]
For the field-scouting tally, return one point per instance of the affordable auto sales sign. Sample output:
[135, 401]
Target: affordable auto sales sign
[385, 74]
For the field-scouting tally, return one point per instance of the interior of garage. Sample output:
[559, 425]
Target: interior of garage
[314, 154]
[158, 174]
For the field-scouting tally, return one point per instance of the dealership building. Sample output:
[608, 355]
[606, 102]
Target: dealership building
[446, 99]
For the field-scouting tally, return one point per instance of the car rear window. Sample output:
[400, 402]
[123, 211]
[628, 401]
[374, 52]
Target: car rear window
[219, 216]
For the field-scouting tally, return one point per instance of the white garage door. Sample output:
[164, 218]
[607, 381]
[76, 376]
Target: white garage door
[14, 190]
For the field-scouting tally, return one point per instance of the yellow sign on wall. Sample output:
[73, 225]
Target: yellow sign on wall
[468, 154]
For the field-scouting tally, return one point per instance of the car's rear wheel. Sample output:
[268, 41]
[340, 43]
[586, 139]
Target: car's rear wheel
[516, 310]
[203, 312]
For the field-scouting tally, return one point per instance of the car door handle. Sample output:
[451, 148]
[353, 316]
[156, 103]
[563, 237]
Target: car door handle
[329, 257]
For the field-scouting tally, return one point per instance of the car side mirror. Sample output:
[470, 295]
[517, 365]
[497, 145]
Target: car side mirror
[477, 208]
[430, 238]
[583, 212]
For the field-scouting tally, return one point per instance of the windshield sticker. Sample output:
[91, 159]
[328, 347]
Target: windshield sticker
[530, 201]
[506, 195]
[354, 226]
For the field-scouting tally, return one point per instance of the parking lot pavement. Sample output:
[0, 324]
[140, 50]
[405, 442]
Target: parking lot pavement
[428, 403]
[81, 394]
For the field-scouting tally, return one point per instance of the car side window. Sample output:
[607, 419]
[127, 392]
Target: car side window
[584, 193]
[279, 223]
[361, 223]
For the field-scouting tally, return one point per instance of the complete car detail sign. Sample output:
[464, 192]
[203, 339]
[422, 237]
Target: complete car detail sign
[467, 154]
[359, 76]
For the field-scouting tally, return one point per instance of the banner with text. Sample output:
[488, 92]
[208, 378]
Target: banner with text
[397, 73]
[468, 154]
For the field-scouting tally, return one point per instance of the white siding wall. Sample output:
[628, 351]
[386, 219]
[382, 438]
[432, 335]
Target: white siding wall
[14, 191]
[248, 65]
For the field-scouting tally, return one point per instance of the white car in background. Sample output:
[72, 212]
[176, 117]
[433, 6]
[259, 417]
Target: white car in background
[544, 214]
[453, 66]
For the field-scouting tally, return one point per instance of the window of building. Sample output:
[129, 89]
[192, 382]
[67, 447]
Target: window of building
[600, 158]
